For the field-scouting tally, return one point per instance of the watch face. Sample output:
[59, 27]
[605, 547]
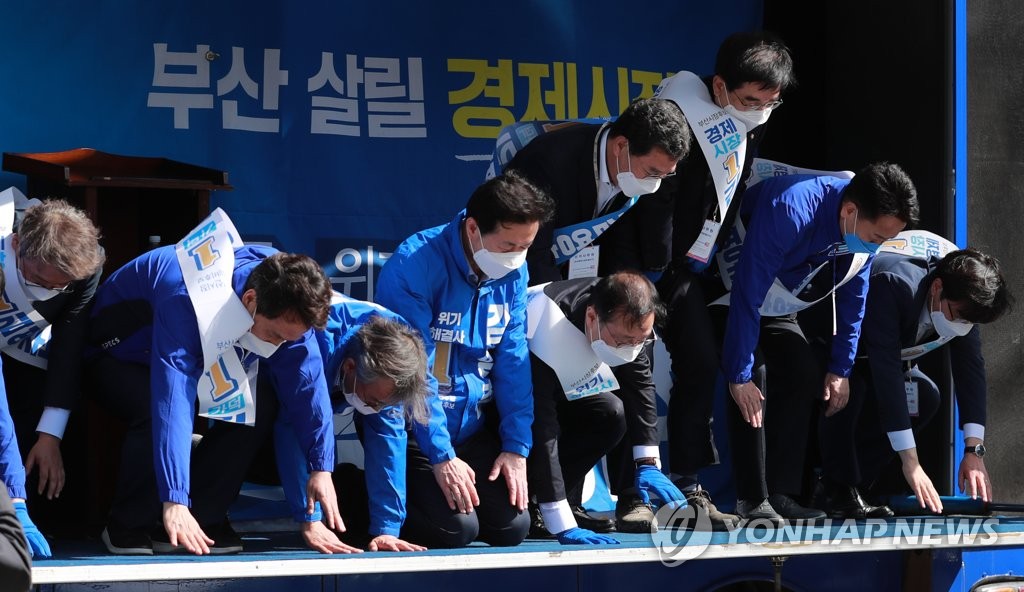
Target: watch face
[979, 450]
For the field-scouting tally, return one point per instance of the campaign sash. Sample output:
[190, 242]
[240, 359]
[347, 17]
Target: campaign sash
[920, 243]
[723, 141]
[24, 333]
[780, 300]
[559, 344]
[207, 259]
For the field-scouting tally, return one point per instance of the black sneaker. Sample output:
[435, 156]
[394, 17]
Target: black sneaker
[225, 540]
[589, 521]
[127, 542]
[633, 515]
[760, 511]
[700, 499]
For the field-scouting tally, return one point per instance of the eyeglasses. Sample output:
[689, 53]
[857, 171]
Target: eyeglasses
[65, 289]
[617, 342]
[755, 106]
[375, 404]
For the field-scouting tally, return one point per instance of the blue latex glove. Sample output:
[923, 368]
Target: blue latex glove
[649, 480]
[582, 536]
[654, 276]
[37, 544]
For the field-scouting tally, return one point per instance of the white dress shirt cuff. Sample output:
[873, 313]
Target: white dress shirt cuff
[647, 452]
[974, 430]
[53, 421]
[557, 516]
[902, 440]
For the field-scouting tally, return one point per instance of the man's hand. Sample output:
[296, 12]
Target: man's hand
[837, 393]
[748, 398]
[919, 481]
[182, 529]
[320, 538]
[320, 488]
[973, 477]
[513, 467]
[458, 483]
[386, 542]
[45, 454]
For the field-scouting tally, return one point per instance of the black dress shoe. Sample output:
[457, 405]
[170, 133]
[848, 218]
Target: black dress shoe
[844, 501]
[537, 528]
[790, 510]
[587, 520]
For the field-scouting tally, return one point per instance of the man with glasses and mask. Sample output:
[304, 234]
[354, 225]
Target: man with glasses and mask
[728, 111]
[57, 262]
[809, 238]
[227, 326]
[593, 388]
[595, 173]
[463, 286]
[376, 368]
[918, 304]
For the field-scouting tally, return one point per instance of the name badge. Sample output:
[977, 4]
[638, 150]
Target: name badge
[584, 263]
[701, 249]
[913, 402]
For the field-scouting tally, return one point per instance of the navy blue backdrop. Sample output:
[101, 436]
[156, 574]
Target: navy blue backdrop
[344, 126]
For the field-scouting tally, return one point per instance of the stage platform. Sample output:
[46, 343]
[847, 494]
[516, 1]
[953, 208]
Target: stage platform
[279, 560]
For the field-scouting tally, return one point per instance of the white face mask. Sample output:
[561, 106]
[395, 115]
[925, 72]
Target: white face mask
[34, 293]
[496, 265]
[628, 184]
[614, 356]
[354, 400]
[250, 342]
[751, 118]
[947, 328]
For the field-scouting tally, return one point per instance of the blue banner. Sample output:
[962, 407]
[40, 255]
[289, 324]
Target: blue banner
[342, 125]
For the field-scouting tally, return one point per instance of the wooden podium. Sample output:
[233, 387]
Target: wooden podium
[130, 198]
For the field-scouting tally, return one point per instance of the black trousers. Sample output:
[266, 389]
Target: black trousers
[854, 446]
[790, 373]
[431, 523]
[217, 467]
[69, 514]
[693, 343]
[570, 437]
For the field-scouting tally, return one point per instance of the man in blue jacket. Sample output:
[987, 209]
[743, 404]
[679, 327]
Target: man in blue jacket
[918, 304]
[376, 369]
[806, 235]
[463, 286]
[151, 370]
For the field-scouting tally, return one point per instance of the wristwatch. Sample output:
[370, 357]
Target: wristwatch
[647, 460]
[978, 450]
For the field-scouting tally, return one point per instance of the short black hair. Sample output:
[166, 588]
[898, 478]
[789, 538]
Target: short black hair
[290, 283]
[757, 57]
[974, 282]
[883, 189]
[654, 123]
[629, 295]
[509, 199]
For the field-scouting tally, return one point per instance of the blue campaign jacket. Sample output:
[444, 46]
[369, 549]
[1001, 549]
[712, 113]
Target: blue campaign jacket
[793, 227]
[384, 434]
[12, 471]
[152, 300]
[475, 335]
[899, 292]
